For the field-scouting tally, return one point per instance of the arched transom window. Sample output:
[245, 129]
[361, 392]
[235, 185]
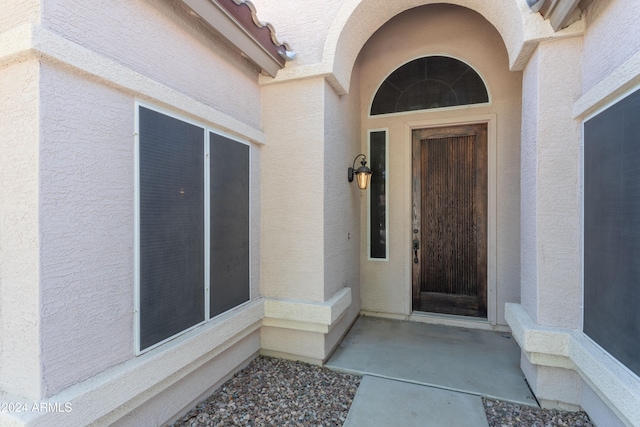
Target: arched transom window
[429, 82]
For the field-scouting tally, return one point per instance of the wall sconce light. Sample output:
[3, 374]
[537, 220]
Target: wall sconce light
[363, 173]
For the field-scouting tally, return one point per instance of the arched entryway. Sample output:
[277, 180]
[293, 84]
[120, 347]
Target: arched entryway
[449, 194]
[431, 118]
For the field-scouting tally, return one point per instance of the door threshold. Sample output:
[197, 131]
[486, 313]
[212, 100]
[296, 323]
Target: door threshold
[458, 321]
[441, 319]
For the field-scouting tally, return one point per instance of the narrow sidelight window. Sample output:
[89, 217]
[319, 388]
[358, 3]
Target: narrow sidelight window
[378, 195]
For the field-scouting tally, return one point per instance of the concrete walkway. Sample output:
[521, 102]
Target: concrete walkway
[417, 374]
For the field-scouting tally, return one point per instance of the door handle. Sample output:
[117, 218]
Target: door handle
[416, 246]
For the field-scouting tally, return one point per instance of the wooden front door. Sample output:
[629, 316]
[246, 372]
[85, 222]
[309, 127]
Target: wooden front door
[449, 236]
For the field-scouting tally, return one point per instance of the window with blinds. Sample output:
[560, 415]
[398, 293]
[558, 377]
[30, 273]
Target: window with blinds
[191, 266]
[612, 230]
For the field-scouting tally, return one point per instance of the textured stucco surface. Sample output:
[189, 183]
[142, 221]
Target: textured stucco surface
[304, 27]
[559, 387]
[528, 186]
[161, 41]
[343, 204]
[18, 12]
[552, 359]
[610, 65]
[314, 325]
[86, 227]
[294, 344]
[343, 199]
[310, 230]
[558, 187]
[66, 185]
[193, 388]
[321, 313]
[552, 246]
[356, 20]
[20, 323]
[29, 41]
[463, 34]
[292, 191]
[612, 37]
[555, 388]
[599, 412]
[129, 386]
[66, 241]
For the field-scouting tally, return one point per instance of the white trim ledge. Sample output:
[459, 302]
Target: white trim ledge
[123, 388]
[307, 316]
[618, 387]
[621, 80]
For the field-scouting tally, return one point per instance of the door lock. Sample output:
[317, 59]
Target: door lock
[416, 246]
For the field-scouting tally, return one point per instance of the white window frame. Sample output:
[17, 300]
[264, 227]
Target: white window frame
[207, 228]
[600, 109]
[386, 195]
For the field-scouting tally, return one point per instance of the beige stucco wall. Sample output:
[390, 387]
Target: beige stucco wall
[165, 407]
[192, 59]
[310, 230]
[564, 82]
[303, 26]
[20, 356]
[69, 88]
[528, 183]
[343, 202]
[551, 223]
[66, 167]
[86, 224]
[551, 246]
[18, 12]
[87, 158]
[356, 20]
[342, 199]
[611, 39]
[463, 34]
[292, 207]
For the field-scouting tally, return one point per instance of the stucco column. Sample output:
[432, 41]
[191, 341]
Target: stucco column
[309, 218]
[292, 191]
[550, 205]
[20, 319]
[292, 219]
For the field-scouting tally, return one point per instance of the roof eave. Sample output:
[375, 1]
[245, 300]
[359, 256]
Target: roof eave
[223, 22]
[560, 13]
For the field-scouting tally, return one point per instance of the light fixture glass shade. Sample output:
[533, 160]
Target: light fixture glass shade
[362, 174]
[363, 177]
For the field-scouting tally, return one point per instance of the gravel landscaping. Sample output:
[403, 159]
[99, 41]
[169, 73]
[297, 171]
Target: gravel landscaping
[275, 392]
[501, 414]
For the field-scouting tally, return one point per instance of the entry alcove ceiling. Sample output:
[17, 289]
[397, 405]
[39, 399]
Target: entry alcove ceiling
[560, 13]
